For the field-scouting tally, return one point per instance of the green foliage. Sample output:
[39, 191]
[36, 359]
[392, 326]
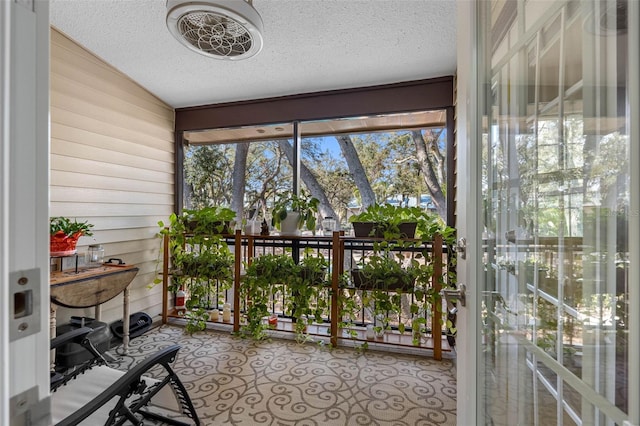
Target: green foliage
[304, 204]
[267, 174]
[213, 261]
[264, 276]
[384, 271]
[387, 219]
[331, 173]
[207, 173]
[269, 274]
[69, 228]
[418, 327]
[200, 259]
[200, 228]
[196, 320]
[389, 160]
[271, 268]
[306, 286]
[208, 220]
[348, 307]
[378, 213]
[387, 277]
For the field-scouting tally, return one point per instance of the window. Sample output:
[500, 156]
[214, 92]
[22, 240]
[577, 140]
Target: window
[346, 163]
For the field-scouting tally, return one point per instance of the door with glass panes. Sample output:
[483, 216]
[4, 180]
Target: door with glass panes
[557, 291]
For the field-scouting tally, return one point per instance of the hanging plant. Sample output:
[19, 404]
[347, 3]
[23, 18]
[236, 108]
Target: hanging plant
[305, 302]
[201, 261]
[214, 220]
[263, 278]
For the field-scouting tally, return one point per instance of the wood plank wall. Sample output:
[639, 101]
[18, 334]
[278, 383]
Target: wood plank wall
[112, 163]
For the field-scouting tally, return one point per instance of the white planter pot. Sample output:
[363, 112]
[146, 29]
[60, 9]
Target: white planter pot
[289, 226]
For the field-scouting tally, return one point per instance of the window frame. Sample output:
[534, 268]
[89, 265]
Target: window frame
[405, 97]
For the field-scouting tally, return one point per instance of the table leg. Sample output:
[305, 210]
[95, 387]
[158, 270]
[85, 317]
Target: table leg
[52, 321]
[52, 332]
[125, 320]
[98, 312]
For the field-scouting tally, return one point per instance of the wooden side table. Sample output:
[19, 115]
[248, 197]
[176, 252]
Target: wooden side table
[91, 287]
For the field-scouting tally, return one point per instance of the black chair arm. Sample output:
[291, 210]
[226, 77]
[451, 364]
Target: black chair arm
[73, 336]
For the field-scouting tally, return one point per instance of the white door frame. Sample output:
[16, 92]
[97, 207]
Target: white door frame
[634, 219]
[468, 199]
[5, 30]
[24, 211]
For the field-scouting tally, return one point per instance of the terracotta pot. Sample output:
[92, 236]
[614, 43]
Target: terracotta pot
[63, 245]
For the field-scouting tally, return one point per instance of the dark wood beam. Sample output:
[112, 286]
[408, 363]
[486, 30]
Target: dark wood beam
[419, 95]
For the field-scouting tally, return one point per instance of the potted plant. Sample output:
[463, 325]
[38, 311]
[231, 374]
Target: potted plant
[213, 261]
[208, 220]
[383, 279]
[196, 320]
[64, 235]
[386, 221]
[201, 261]
[305, 302]
[291, 212]
[313, 269]
[203, 272]
[196, 227]
[383, 271]
[262, 278]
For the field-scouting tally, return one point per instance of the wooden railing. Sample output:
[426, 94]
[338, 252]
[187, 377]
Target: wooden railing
[342, 252]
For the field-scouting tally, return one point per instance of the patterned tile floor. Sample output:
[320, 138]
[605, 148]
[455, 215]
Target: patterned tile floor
[235, 381]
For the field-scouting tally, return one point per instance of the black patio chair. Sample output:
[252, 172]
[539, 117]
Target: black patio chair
[92, 393]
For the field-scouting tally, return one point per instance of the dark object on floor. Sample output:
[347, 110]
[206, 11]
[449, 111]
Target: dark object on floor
[103, 395]
[72, 354]
[139, 323]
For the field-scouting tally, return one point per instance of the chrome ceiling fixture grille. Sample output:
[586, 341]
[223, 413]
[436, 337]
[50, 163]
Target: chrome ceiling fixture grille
[222, 29]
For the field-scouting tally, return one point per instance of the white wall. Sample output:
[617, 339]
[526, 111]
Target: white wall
[112, 163]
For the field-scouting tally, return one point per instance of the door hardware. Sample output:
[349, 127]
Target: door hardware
[456, 295]
[461, 248]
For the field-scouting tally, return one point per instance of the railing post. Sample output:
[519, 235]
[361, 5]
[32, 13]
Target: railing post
[436, 318]
[165, 276]
[336, 264]
[237, 279]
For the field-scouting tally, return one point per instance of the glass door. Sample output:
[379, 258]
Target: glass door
[557, 345]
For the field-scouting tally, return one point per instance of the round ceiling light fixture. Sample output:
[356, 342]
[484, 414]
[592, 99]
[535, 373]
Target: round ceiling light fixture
[221, 29]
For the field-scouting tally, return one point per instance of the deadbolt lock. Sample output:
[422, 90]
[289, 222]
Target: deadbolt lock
[461, 248]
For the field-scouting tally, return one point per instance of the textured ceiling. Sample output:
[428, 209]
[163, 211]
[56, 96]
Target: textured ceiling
[309, 45]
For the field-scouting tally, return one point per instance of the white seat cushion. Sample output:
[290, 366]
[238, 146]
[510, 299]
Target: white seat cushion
[79, 392]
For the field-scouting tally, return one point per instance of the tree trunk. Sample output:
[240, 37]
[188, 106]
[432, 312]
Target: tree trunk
[358, 173]
[187, 195]
[325, 209]
[239, 179]
[429, 167]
